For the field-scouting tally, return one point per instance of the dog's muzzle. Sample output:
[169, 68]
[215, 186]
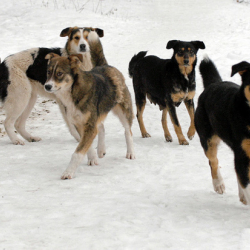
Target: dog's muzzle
[83, 47]
[48, 87]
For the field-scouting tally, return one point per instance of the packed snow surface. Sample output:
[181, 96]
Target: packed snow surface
[164, 199]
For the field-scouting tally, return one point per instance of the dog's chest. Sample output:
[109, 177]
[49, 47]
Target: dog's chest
[73, 114]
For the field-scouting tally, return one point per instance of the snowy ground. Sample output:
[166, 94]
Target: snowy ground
[162, 200]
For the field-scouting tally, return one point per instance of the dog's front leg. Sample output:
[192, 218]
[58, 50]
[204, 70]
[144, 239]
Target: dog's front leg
[72, 128]
[167, 134]
[177, 126]
[88, 135]
[190, 108]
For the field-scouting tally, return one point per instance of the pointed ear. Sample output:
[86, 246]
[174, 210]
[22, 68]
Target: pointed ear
[198, 44]
[76, 58]
[99, 32]
[240, 68]
[172, 43]
[50, 56]
[66, 32]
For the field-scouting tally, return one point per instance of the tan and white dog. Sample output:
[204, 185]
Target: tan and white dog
[22, 79]
[88, 97]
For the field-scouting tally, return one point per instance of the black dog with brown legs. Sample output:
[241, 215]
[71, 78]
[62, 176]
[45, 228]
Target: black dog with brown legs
[166, 82]
[223, 113]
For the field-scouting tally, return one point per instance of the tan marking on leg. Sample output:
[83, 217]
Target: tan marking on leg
[167, 134]
[190, 95]
[178, 131]
[144, 132]
[246, 147]
[247, 92]
[191, 130]
[211, 154]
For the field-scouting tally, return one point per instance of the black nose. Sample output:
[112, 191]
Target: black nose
[186, 61]
[82, 47]
[48, 87]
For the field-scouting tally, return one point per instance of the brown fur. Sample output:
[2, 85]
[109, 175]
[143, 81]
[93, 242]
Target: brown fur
[85, 102]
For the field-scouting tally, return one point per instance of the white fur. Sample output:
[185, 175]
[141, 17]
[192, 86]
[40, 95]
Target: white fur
[218, 184]
[22, 93]
[93, 36]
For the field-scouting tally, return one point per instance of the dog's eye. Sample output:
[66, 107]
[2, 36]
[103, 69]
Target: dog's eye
[49, 72]
[59, 74]
[180, 53]
[77, 37]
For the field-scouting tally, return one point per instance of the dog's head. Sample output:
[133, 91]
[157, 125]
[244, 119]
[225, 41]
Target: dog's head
[60, 71]
[243, 68]
[78, 38]
[185, 52]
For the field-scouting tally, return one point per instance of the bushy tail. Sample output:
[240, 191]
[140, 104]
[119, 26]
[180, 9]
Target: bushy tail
[134, 61]
[209, 72]
[96, 50]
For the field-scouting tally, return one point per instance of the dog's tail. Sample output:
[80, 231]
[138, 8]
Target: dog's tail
[96, 50]
[134, 61]
[209, 72]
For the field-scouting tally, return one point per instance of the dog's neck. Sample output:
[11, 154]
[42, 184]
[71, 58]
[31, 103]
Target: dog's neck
[186, 70]
[86, 65]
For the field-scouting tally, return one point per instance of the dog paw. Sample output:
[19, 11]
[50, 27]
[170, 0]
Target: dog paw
[219, 186]
[190, 137]
[191, 133]
[18, 142]
[183, 142]
[92, 162]
[145, 135]
[168, 138]
[101, 153]
[67, 175]
[34, 139]
[130, 156]
[243, 200]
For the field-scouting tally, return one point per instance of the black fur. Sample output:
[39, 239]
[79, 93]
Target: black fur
[4, 80]
[223, 110]
[38, 70]
[159, 78]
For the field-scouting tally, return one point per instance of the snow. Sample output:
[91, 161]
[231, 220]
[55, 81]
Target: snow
[162, 200]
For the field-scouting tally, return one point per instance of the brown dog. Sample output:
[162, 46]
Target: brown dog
[88, 97]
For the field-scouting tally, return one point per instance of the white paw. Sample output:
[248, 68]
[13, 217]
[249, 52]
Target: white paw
[18, 142]
[101, 153]
[219, 186]
[34, 139]
[93, 161]
[130, 156]
[67, 175]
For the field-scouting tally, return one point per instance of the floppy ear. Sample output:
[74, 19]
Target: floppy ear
[50, 56]
[66, 32]
[198, 44]
[172, 43]
[99, 32]
[76, 58]
[240, 68]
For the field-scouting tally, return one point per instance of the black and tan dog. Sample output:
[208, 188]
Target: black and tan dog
[223, 113]
[22, 79]
[88, 96]
[166, 83]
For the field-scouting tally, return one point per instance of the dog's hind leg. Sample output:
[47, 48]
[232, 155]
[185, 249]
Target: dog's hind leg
[210, 148]
[125, 115]
[167, 134]
[88, 135]
[21, 121]
[14, 106]
[140, 109]
[177, 126]
[101, 149]
[242, 168]
[190, 108]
